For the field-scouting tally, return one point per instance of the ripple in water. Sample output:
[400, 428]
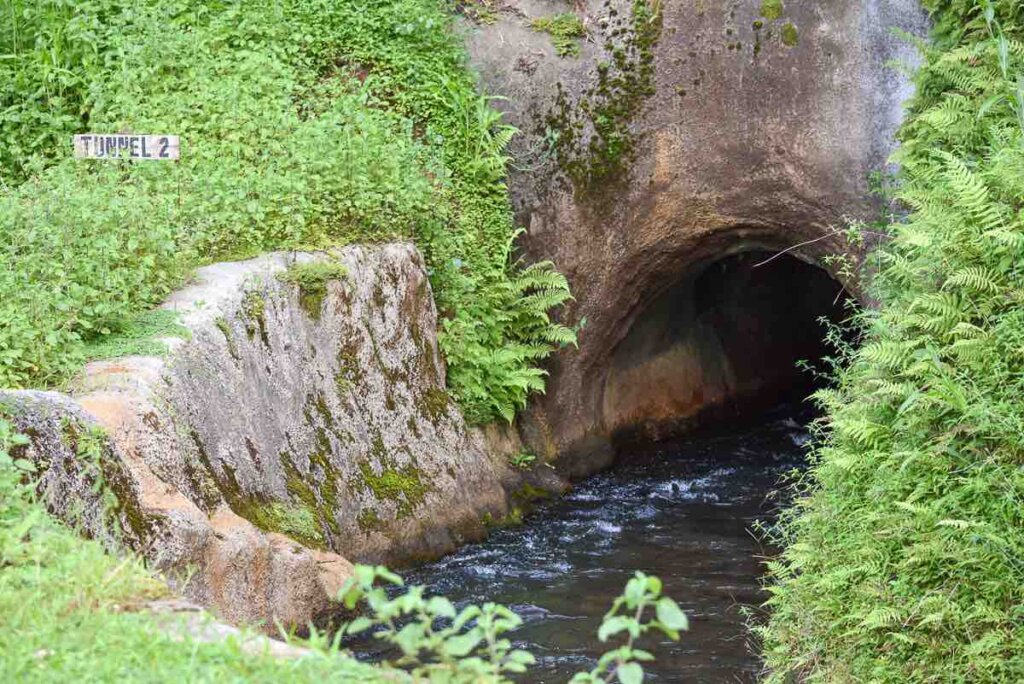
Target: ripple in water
[681, 510]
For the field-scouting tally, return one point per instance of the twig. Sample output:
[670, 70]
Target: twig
[817, 239]
[802, 244]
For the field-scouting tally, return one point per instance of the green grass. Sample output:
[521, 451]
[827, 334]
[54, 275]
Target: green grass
[141, 335]
[904, 557]
[72, 612]
[304, 123]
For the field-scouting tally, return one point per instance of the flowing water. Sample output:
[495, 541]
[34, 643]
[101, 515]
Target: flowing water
[682, 510]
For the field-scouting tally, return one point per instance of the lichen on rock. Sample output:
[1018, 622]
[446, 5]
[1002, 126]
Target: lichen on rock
[251, 466]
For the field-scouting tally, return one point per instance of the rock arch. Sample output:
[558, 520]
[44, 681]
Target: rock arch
[747, 128]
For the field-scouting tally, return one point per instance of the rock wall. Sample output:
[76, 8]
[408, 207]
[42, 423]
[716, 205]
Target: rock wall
[297, 428]
[679, 138]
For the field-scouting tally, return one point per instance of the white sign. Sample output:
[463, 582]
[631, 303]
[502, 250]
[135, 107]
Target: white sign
[104, 146]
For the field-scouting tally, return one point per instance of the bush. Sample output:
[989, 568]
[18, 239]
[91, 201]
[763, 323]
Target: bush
[903, 559]
[283, 147]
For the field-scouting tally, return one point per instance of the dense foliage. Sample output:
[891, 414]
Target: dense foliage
[905, 554]
[304, 123]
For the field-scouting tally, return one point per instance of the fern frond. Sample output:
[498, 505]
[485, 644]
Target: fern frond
[560, 335]
[972, 351]
[976, 278]
[1006, 237]
[953, 109]
[944, 307]
[863, 432]
[541, 275]
[891, 354]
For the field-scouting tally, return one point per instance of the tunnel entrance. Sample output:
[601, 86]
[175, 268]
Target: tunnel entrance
[725, 338]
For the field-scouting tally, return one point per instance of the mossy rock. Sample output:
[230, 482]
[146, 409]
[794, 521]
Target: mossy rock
[312, 278]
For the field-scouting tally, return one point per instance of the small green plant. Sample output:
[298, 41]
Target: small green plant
[480, 11]
[771, 9]
[313, 275]
[437, 642]
[630, 616]
[312, 278]
[565, 30]
[441, 644]
[523, 460]
[16, 487]
[790, 35]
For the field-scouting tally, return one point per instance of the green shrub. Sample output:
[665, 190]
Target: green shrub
[903, 558]
[523, 460]
[283, 146]
[47, 47]
[495, 321]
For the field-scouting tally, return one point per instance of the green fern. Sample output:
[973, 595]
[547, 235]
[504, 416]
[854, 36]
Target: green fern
[902, 560]
[977, 278]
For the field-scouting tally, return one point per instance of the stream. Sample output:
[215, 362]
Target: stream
[681, 510]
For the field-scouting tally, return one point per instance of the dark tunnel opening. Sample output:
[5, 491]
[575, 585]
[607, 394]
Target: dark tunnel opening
[727, 338]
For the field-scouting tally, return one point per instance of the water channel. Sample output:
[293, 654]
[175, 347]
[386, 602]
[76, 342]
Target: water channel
[682, 510]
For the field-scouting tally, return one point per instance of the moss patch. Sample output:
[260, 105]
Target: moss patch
[369, 520]
[771, 9]
[413, 427]
[433, 405]
[406, 486]
[225, 328]
[527, 494]
[565, 30]
[592, 141]
[513, 518]
[403, 485]
[202, 478]
[312, 499]
[254, 310]
[790, 36]
[312, 279]
[297, 522]
[349, 372]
